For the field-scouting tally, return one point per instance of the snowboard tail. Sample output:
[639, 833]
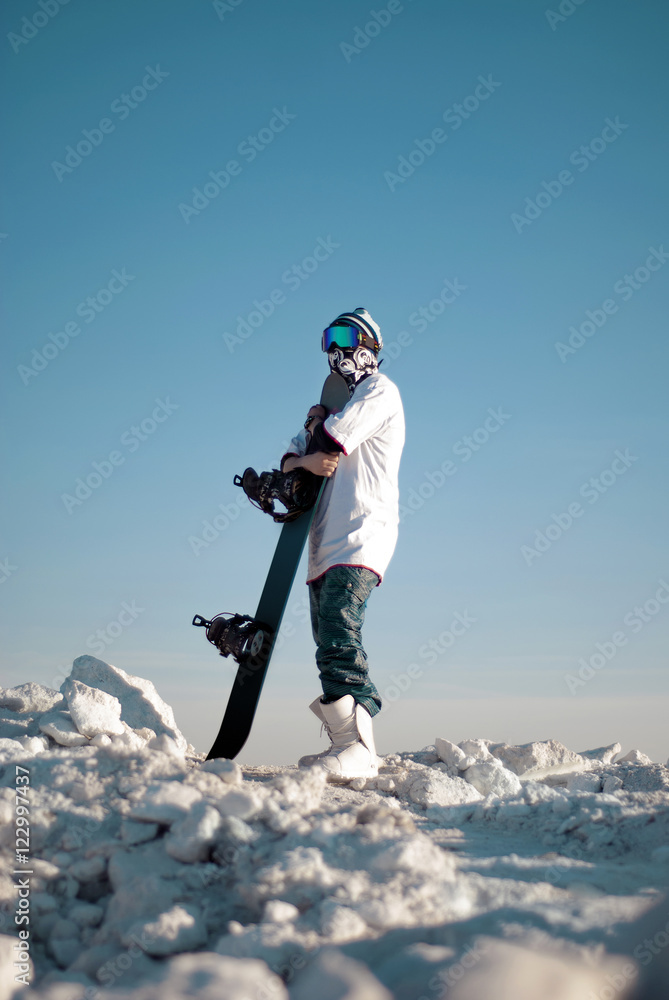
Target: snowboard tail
[251, 673]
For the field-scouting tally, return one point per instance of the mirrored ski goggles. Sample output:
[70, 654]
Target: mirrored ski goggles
[341, 336]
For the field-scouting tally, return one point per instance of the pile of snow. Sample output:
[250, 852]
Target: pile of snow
[463, 870]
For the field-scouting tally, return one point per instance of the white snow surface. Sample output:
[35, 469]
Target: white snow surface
[466, 871]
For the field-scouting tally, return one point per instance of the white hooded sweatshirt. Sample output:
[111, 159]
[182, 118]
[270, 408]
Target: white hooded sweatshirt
[357, 518]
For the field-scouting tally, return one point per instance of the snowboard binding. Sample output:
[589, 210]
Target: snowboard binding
[235, 635]
[296, 490]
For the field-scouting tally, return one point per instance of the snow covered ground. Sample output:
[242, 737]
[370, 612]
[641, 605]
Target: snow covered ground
[466, 872]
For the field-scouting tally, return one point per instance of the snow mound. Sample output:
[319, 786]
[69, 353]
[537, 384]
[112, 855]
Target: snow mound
[61, 728]
[469, 870]
[539, 759]
[492, 778]
[142, 706]
[510, 971]
[332, 976]
[30, 697]
[93, 711]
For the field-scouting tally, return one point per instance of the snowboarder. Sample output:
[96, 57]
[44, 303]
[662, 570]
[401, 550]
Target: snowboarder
[352, 537]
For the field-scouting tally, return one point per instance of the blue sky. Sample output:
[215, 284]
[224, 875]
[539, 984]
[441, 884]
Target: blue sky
[533, 201]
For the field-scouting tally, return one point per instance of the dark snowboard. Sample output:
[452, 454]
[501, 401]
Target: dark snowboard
[252, 671]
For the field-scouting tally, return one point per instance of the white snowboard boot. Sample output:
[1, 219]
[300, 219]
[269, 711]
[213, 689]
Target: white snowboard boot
[311, 758]
[351, 753]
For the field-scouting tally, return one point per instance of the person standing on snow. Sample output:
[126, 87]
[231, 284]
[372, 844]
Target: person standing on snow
[352, 537]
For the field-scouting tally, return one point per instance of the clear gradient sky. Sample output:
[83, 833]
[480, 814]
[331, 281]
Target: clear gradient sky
[489, 180]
